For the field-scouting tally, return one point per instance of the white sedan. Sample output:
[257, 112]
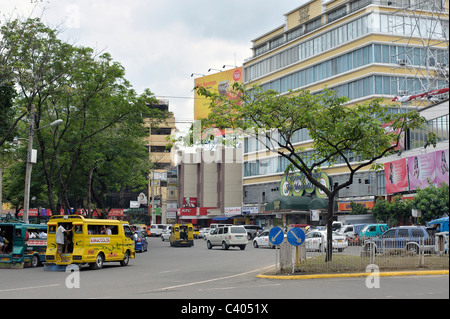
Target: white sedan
[316, 240]
[262, 239]
[165, 235]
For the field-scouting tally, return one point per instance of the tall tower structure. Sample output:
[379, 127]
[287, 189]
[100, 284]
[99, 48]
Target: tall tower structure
[420, 30]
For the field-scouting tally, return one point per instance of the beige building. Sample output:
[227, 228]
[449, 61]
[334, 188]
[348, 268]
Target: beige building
[209, 185]
[160, 157]
[362, 49]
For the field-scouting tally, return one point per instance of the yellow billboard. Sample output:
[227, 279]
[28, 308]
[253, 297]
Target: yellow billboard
[220, 82]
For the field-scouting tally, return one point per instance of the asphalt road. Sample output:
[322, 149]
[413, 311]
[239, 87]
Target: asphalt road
[197, 273]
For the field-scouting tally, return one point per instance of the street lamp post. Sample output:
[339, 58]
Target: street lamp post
[31, 159]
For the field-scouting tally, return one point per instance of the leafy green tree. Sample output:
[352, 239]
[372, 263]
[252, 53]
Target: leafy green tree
[339, 132]
[357, 208]
[432, 202]
[381, 210]
[101, 113]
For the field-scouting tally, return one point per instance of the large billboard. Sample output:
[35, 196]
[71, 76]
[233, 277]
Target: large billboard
[220, 82]
[415, 171]
[396, 175]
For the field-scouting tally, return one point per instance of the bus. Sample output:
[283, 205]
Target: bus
[24, 244]
[90, 241]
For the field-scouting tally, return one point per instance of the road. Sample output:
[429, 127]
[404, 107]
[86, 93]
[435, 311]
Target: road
[197, 273]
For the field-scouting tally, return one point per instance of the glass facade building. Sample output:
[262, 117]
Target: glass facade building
[361, 49]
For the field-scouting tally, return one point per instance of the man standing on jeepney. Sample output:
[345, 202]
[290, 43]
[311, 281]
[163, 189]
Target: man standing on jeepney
[59, 239]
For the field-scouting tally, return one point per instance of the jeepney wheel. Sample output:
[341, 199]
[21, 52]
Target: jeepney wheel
[34, 261]
[126, 259]
[98, 264]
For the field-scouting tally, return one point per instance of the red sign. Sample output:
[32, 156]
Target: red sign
[187, 211]
[190, 202]
[396, 175]
[36, 242]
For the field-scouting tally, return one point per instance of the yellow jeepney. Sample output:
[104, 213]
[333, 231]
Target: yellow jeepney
[90, 241]
[182, 235]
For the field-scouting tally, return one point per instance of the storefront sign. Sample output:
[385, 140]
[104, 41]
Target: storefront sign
[297, 183]
[232, 211]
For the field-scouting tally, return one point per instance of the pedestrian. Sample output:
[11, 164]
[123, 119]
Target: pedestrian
[3, 243]
[59, 239]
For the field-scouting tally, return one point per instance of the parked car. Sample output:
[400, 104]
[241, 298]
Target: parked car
[351, 231]
[201, 232]
[156, 229]
[140, 241]
[253, 230]
[165, 234]
[409, 238]
[206, 233]
[262, 239]
[228, 236]
[373, 230]
[316, 240]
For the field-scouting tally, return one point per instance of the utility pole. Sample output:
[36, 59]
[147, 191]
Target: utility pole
[30, 161]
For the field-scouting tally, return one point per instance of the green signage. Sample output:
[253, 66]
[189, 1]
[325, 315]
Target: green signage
[296, 184]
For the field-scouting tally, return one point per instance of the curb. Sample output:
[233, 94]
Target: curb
[362, 274]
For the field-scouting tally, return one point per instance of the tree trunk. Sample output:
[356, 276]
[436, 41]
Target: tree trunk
[330, 215]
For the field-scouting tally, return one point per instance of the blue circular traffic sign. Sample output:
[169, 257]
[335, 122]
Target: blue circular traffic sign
[276, 236]
[296, 236]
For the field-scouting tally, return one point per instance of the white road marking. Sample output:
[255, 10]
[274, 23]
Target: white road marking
[28, 288]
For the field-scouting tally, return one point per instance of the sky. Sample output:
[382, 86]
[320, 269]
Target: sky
[161, 42]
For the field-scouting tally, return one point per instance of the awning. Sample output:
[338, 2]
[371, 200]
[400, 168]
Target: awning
[289, 203]
[297, 204]
[318, 204]
[220, 218]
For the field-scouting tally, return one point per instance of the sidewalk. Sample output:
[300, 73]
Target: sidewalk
[361, 274]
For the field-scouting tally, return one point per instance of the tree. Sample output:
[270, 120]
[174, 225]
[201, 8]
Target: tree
[432, 201]
[339, 132]
[357, 208]
[98, 106]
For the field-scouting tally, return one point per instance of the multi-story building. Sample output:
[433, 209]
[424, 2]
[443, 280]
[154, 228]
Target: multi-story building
[209, 184]
[362, 49]
[159, 153]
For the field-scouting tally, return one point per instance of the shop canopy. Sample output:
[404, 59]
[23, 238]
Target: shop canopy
[297, 203]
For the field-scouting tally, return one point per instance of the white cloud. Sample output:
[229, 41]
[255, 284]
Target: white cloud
[162, 42]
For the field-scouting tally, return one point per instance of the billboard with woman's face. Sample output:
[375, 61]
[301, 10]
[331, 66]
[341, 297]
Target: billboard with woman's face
[421, 169]
[441, 166]
[415, 171]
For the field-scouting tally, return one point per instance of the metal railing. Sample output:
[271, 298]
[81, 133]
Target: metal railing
[387, 255]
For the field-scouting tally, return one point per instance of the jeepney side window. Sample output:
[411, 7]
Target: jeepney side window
[127, 231]
[78, 229]
[114, 230]
[93, 230]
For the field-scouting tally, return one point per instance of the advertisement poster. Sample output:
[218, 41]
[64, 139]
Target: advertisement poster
[441, 167]
[220, 82]
[421, 168]
[396, 176]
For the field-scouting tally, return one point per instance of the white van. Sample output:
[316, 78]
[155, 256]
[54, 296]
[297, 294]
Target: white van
[156, 229]
[214, 225]
[227, 236]
[347, 231]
